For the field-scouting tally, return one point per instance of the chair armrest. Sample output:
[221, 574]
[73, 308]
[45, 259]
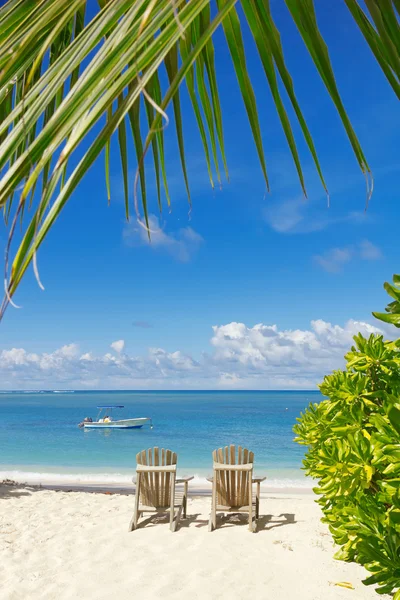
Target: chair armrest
[184, 479]
[259, 479]
[210, 479]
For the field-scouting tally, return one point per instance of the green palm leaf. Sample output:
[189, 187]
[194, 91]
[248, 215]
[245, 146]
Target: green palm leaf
[67, 85]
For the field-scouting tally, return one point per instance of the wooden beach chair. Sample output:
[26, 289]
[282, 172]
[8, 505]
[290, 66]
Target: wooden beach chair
[155, 486]
[232, 485]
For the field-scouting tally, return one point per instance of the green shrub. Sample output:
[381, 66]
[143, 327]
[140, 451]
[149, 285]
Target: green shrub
[353, 441]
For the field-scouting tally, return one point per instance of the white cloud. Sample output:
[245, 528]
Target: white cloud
[368, 251]
[258, 357]
[118, 346]
[285, 217]
[298, 215]
[181, 245]
[265, 347]
[334, 259]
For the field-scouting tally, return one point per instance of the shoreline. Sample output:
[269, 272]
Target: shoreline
[121, 481]
[196, 490]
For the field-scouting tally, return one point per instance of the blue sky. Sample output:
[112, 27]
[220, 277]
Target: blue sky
[241, 255]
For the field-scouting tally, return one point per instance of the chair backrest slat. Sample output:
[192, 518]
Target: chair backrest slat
[156, 486]
[168, 457]
[244, 482]
[156, 478]
[151, 475]
[221, 481]
[233, 476]
[239, 475]
[162, 479]
[145, 487]
[232, 486]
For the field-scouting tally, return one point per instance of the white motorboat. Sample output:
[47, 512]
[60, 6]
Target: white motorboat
[105, 420]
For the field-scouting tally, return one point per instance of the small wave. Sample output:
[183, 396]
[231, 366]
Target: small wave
[125, 479]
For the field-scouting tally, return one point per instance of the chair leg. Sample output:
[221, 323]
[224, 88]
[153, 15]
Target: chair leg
[212, 524]
[172, 508]
[132, 525]
[135, 518]
[250, 495]
[258, 500]
[185, 492]
[177, 518]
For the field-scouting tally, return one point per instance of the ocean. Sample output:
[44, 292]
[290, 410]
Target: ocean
[40, 439]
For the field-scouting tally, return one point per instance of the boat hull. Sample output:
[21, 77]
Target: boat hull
[122, 424]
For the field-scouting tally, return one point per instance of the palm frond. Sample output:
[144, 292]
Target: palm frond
[68, 85]
[382, 35]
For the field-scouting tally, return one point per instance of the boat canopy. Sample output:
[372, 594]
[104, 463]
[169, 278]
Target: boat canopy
[112, 406]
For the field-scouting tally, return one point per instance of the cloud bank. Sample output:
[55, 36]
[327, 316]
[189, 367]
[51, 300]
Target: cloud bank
[241, 357]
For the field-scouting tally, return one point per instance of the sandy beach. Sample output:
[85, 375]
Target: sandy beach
[76, 544]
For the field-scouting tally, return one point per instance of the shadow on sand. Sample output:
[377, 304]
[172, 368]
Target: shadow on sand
[264, 523]
[10, 489]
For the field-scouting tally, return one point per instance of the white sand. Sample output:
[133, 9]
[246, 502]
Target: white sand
[71, 545]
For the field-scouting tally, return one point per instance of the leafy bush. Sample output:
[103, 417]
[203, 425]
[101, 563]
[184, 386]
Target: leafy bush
[353, 441]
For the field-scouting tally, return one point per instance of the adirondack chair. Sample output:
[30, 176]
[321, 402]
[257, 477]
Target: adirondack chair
[232, 485]
[155, 486]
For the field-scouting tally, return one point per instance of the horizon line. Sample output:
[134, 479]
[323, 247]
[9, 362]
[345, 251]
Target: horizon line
[71, 390]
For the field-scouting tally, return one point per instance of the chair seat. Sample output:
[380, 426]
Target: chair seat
[235, 508]
[143, 508]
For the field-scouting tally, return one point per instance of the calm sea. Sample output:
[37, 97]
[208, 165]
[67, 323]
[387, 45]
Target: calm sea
[40, 439]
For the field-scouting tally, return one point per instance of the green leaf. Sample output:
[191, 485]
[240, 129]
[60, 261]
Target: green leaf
[381, 48]
[262, 40]
[393, 319]
[208, 56]
[303, 14]
[394, 418]
[124, 157]
[185, 49]
[393, 291]
[154, 90]
[233, 35]
[134, 119]
[107, 159]
[171, 64]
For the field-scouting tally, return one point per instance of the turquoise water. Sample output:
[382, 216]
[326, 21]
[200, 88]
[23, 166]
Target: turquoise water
[39, 433]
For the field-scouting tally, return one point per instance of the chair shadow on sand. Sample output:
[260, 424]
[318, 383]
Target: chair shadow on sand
[265, 522]
[268, 522]
[159, 519]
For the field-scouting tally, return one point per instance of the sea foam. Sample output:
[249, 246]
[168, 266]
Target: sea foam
[125, 479]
